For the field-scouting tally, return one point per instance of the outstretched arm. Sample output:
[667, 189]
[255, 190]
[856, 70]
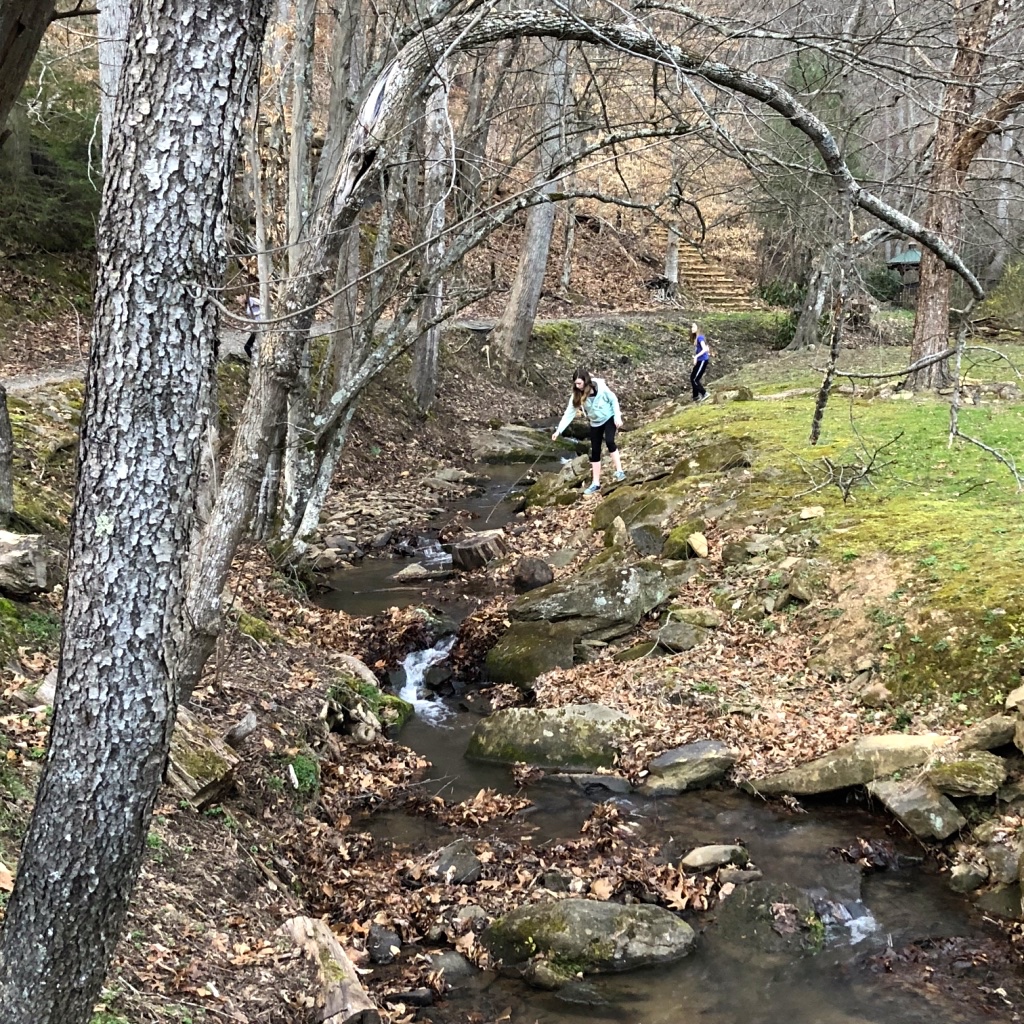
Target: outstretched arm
[567, 417]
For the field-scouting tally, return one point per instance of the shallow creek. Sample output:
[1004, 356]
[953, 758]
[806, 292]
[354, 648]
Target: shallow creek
[731, 978]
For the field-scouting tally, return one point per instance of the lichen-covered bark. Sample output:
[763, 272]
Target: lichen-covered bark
[160, 251]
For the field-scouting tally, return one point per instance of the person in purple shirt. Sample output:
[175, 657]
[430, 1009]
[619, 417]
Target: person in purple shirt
[701, 358]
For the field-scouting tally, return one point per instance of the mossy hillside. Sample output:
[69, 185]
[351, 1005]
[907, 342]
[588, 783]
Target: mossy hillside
[45, 432]
[952, 516]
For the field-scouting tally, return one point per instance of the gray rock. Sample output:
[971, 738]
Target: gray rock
[606, 599]
[989, 734]
[1004, 861]
[1001, 900]
[382, 944]
[708, 618]
[680, 636]
[594, 937]
[920, 807]
[514, 443]
[531, 573]
[853, 764]
[561, 558]
[875, 695]
[707, 858]
[1015, 698]
[770, 917]
[593, 784]
[576, 736]
[691, 766]
[468, 916]
[617, 536]
[411, 573]
[975, 773]
[457, 864]
[457, 970]
[967, 876]
[27, 564]
[739, 876]
[735, 553]
[528, 650]
[647, 538]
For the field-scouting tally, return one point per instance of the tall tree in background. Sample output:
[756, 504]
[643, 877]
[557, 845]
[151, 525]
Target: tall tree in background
[161, 257]
[6, 463]
[436, 178]
[112, 28]
[512, 332]
[22, 24]
[972, 109]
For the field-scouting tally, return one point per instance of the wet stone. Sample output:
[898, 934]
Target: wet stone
[707, 858]
[382, 944]
[967, 876]
[457, 864]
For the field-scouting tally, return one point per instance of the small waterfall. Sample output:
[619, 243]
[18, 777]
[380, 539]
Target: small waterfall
[415, 667]
[432, 555]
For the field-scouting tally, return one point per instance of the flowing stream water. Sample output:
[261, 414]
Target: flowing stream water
[734, 976]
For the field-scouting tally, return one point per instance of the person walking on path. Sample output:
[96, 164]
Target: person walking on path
[592, 397]
[701, 358]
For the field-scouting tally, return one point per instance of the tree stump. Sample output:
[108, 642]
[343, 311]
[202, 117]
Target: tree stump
[477, 549]
[202, 766]
[344, 999]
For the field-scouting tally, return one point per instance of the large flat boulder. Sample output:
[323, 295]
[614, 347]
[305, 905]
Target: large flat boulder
[513, 443]
[595, 938]
[853, 764]
[578, 737]
[691, 766]
[919, 806]
[605, 599]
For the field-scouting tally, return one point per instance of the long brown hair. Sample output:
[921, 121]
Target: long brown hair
[589, 388]
[694, 332]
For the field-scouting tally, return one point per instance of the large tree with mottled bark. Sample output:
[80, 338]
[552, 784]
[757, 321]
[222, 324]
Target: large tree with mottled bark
[161, 255]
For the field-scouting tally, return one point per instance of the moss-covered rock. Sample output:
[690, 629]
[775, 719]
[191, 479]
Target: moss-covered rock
[677, 543]
[584, 936]
[528, 650]
[574, 737]
[976, 773]
[606, 599]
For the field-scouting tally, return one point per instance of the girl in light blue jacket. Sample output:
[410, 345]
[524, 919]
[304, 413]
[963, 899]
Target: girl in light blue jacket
[592, 397]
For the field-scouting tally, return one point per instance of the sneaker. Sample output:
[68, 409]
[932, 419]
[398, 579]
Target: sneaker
[703, 398]
[619, 477]
[592, 489]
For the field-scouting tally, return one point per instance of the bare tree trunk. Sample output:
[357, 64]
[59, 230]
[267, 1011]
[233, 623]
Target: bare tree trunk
[511, 334]
[161, 261]
[568, 243]
[301, 125]
[474, 145]
[436, 176]
[112, 28]
[6, 463]
[818, 287]
[672, 261]
[22, 25]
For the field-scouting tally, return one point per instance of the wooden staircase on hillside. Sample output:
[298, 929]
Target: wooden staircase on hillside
[702, 282]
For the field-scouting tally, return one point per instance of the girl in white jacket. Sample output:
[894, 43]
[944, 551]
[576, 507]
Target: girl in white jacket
[592, 397]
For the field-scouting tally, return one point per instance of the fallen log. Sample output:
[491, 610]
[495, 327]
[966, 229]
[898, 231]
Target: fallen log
[343, 998]
[477, 549]
[201, 768]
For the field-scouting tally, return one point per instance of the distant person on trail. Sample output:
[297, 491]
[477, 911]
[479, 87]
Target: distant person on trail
[701, 358]
[252, 311]
[592, 397]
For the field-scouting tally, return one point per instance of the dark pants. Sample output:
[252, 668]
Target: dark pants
[605, 431]
[249, 345]
[696, 375]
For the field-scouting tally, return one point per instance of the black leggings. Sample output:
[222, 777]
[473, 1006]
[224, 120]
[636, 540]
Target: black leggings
[699, 391]
[606, 431]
